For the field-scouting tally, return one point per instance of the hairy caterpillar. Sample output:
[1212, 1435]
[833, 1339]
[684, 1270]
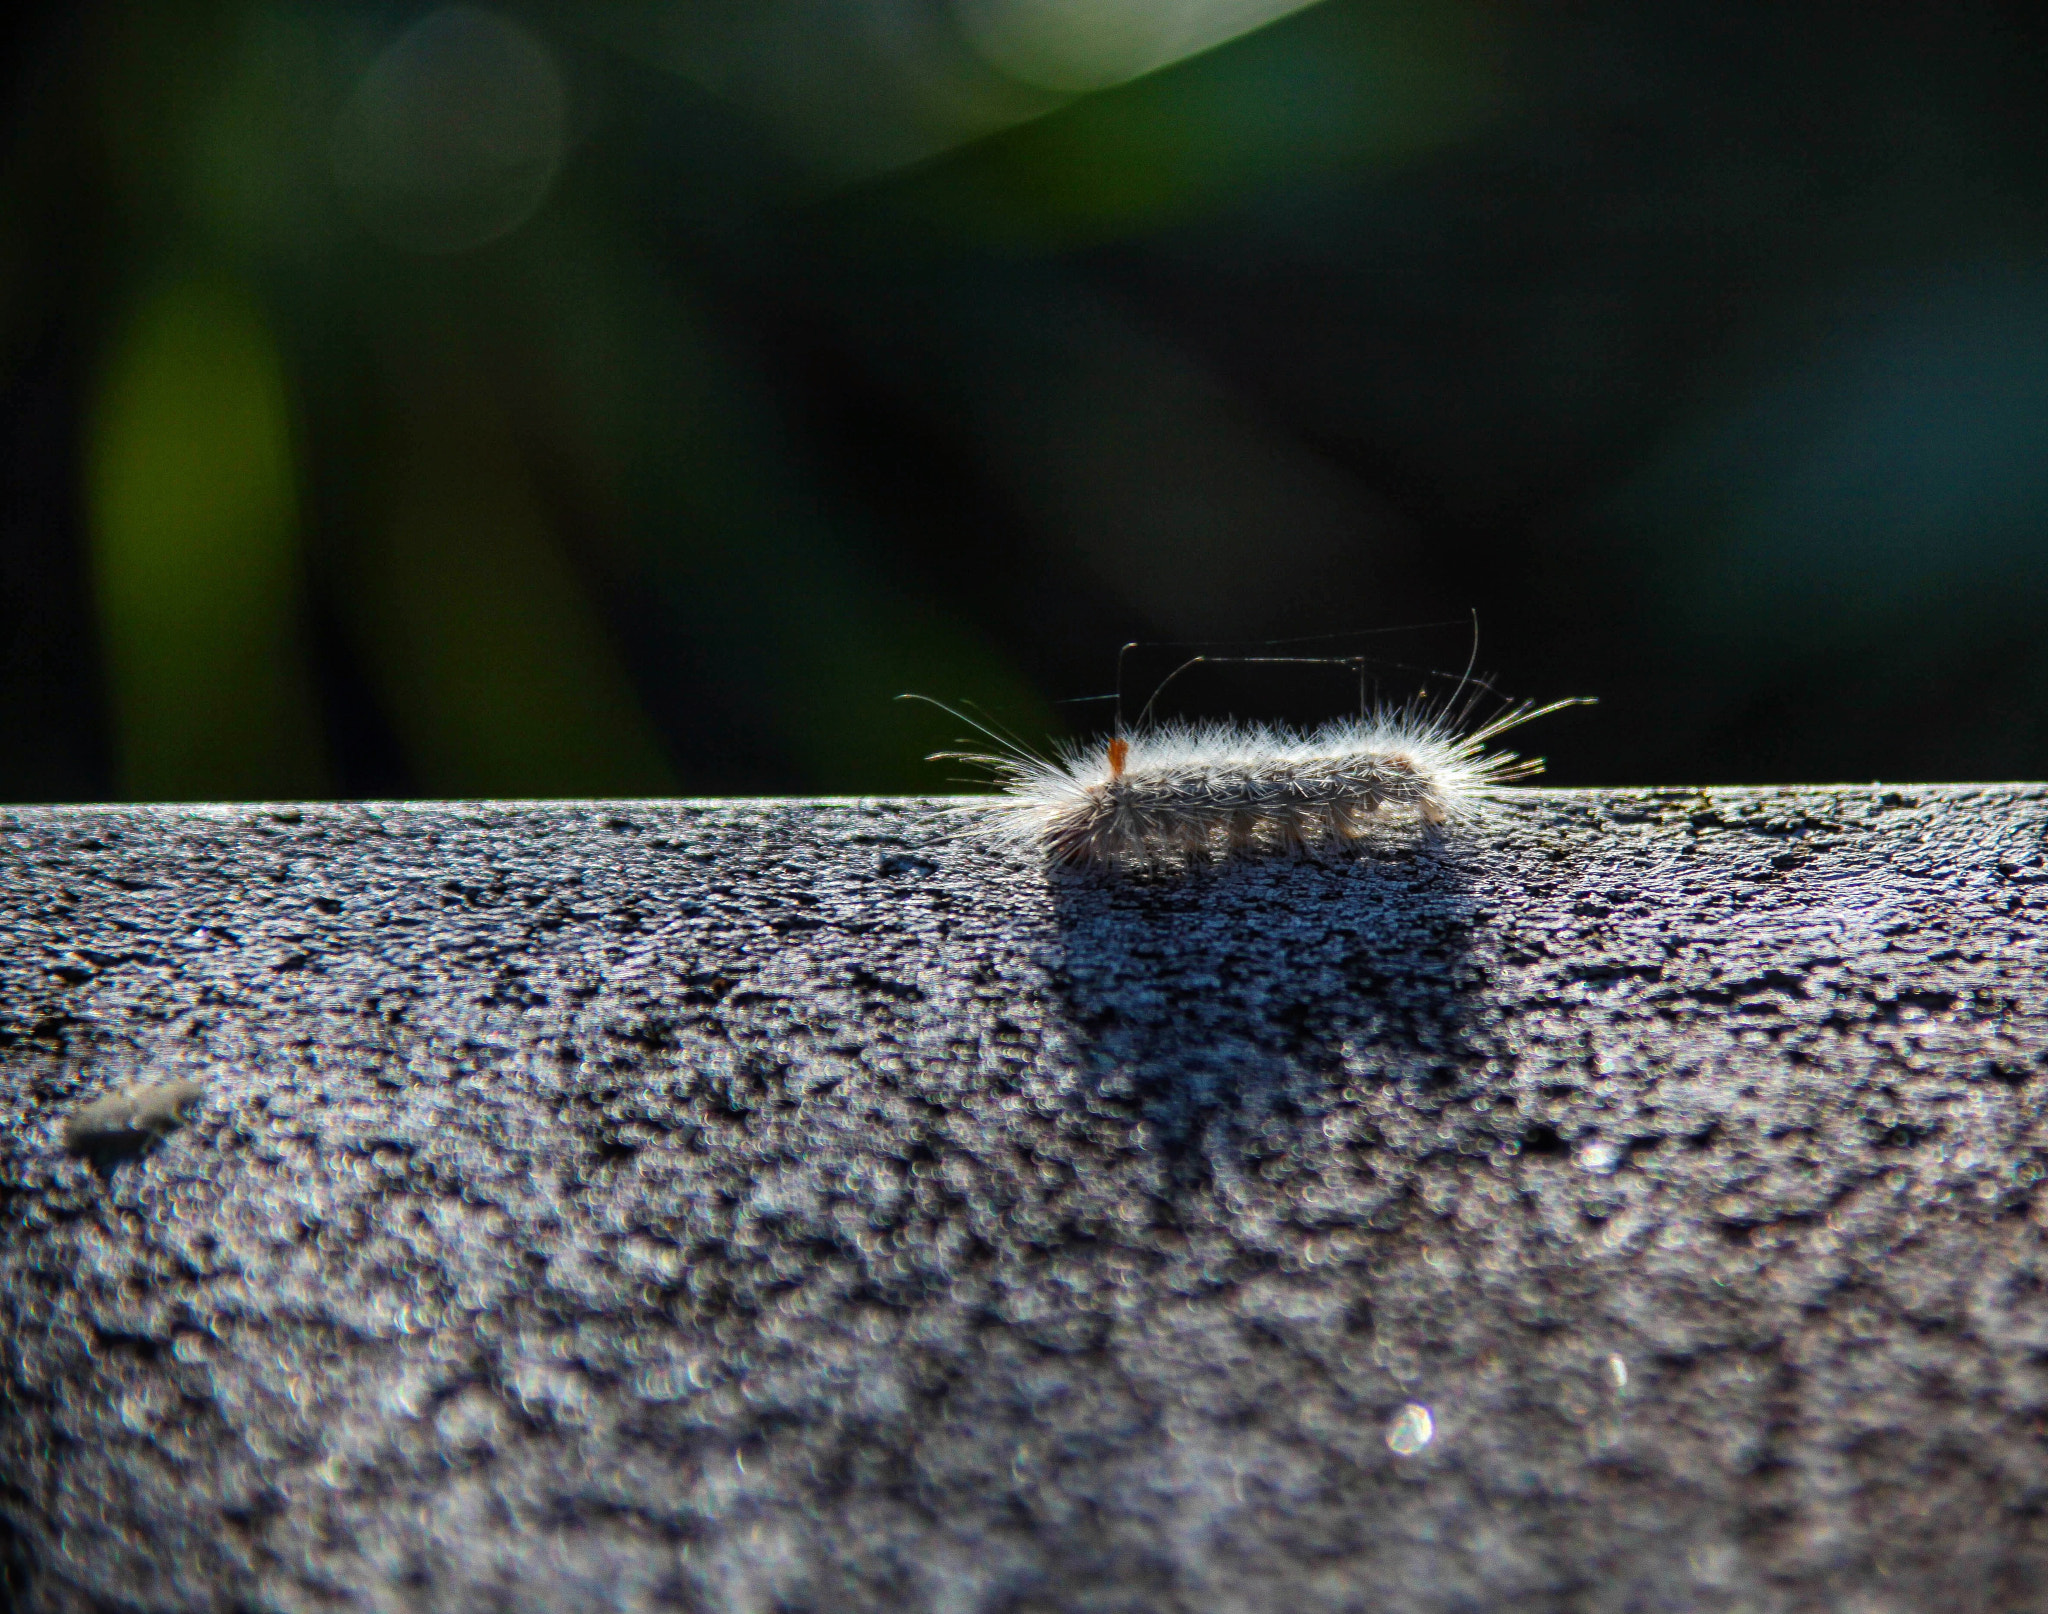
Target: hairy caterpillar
[1188, 793]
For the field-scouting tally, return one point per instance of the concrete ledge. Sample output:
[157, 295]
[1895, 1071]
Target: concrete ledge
[783, 1206]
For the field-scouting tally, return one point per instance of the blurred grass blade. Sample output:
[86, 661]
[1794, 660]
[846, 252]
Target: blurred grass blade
[1347, 86]
[194, 520]
[494, 662]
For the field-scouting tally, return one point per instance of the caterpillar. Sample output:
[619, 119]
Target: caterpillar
[1183, 793]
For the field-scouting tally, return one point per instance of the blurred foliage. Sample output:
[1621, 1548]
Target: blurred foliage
[194, 519]
[632, 397]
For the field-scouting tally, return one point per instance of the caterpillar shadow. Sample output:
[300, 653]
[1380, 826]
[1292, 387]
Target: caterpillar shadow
[1236, 1004]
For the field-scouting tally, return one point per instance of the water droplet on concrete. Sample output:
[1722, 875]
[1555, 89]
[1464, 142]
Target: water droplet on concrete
[1412, 1429]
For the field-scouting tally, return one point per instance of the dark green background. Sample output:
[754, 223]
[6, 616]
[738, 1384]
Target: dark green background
[1700, 349]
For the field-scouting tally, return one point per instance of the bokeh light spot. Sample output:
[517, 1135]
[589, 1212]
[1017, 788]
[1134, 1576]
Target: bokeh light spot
[455, 134]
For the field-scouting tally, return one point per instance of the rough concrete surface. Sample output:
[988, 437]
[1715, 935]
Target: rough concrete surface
[791, 1206]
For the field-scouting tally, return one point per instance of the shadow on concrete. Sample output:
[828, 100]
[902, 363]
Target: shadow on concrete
[1237, 1001]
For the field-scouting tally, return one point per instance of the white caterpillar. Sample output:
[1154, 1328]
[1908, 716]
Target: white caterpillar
[1183, 793]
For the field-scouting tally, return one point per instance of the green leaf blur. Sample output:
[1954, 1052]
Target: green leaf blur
[196, 553]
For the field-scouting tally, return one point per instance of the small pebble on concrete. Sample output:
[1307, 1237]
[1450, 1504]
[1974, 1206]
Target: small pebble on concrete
[128, 1121]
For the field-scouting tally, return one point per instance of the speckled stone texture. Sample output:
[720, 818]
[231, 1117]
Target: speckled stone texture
[794, 1207]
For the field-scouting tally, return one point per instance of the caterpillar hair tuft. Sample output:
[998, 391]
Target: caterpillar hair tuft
[1182, 794]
